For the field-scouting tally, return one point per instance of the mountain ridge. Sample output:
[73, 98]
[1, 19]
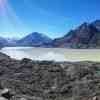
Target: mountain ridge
[34, 39]
[87, 35]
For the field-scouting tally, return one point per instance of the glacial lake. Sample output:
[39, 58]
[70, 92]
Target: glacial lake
[56, 54]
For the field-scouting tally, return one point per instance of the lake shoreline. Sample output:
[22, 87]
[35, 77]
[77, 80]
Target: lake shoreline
[55, 54]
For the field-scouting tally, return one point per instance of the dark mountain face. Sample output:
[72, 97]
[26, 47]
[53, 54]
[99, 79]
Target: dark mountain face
[97, 24]
[34, 39]
[3, 42]
[85, 36]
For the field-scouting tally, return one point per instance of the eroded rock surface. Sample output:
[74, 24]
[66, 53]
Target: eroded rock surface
[48, 80]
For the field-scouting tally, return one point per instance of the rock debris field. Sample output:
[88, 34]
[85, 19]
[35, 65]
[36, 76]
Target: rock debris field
[48, 80]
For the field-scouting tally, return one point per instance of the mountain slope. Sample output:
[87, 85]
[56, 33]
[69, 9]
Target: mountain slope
[96, 24]
[34, 39]
[85, 36]
[3, 42]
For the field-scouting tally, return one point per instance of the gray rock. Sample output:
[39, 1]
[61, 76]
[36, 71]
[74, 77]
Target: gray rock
[50, 80]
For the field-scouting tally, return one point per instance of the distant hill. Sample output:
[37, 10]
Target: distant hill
[3, 42]
[86, 35]
[35, 39]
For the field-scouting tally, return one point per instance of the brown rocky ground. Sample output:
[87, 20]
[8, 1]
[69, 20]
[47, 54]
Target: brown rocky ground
[48, 80]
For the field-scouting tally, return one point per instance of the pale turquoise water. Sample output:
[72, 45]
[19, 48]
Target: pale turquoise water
[57, 54]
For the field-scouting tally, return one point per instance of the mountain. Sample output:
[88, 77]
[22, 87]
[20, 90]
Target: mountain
[86, 35]
[3, 42]
[7, 42]
[97, 24]
[34, 39]
[11, 42]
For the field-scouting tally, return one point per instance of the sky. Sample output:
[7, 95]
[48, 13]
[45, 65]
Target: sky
[53, 18]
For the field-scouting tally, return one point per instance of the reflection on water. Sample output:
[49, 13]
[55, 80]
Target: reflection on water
[57, 54]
